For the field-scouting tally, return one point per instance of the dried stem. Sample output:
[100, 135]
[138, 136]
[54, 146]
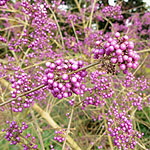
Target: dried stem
[76, 36]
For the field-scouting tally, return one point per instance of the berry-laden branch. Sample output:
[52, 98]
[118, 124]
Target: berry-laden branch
[48, 118]
[21, 95]
[4, 82]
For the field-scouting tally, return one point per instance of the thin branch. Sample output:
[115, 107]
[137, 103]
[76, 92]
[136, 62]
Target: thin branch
[109, 137]
[76, 36]
[38, 129]
[91, 16]
[56, 23]
[143, 51]
[24, 57]
[21, 95]
[79, 8]
[68, 129]
[15, 26]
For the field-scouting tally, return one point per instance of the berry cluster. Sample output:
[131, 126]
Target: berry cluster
[43, 30]
[102, 88]
[60, 136]
[139, 84]
[102, 84]
[14, 135]
[119, 51]
[121, 129]
[3, 2]
[71, 102]
[66, 85]
[90, 101]
[113, 12]
[135, 87]
[2, 39]
[135, 100]
[21, 83]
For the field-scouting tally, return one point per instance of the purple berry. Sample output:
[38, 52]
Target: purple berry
[117, 34]
[65, 76]
[122, 66]
[73, 79]
[119, 52]
[114, 60]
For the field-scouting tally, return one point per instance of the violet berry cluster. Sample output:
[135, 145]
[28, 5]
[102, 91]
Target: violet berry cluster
[119, 51]
[58, 80]
[43, 25]
[60, 136]
[102, 84]
[135, 100]
[121, 129]
[101, 90]
[21, 83]
[2, 39]
[14, 134]
[136, 88]
[113, 12]
[43, 30]
[139, 84]
[3, 2]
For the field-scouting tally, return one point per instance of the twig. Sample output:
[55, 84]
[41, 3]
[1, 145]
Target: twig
[76, 35]
[38, 129]
[109, 138]
[93, 6]
[15, 26]
[105, 27]
[144, 50]
[56, 23]
[21, 95]
[79, 8]
[27, 51]
[67, 132]
[110, 23]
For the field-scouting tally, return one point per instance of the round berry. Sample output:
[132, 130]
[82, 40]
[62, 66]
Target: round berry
[122, 66]
[65, 77]
[117, 34]
[114, 60]
[73, 79]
